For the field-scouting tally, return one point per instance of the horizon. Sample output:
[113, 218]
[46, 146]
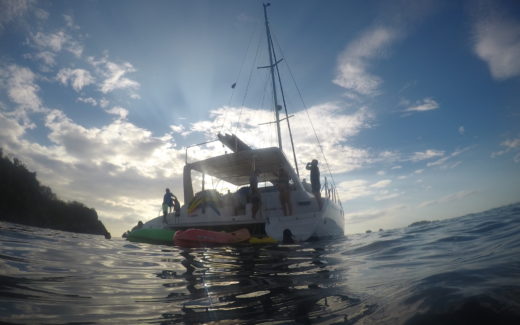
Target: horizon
[416, 104]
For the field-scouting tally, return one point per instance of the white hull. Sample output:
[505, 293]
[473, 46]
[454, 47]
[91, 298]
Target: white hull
[307, 221]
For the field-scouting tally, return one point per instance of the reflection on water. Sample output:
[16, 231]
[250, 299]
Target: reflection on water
[458, 271]
[272, 284]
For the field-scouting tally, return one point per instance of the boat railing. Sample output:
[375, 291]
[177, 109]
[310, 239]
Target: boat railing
[330, 191]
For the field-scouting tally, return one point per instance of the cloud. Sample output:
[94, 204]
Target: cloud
[21, 87]
[426, 104]
[10, 130]
[69, 21]
[448, 198]
[461, 130]
[54, 41]
[381, 184]
[119, 162]
[444, 162]
[120, 144]
[12, 9]
[78, 78]
[357, 59]
[355, 189]
[371, 214]
[425, 155]
[88, 100]
[354, 62]
[497, 42]
[114, 75]
[48, 45]
[509, 145]
[339, 155]
[119, 111]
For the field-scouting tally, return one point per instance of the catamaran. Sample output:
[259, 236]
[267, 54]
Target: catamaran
[208, 209]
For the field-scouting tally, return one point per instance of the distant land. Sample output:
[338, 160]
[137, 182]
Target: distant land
[25, 201]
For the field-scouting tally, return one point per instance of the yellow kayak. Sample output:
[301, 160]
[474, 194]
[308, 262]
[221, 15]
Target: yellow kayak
[262, 240]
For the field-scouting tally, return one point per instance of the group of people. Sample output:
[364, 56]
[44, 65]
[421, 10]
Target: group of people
[284, 189]
[170, 201]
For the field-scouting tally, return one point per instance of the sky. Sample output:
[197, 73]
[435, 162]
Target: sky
[414, 104]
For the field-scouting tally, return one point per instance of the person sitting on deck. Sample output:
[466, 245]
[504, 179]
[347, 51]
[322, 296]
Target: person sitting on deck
[254, 193]
[176, 206]
[138, 226]
[285, 194]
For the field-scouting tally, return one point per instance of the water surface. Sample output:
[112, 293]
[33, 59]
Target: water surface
[464, 270]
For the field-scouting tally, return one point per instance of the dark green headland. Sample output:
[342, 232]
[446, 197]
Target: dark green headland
[25, 201]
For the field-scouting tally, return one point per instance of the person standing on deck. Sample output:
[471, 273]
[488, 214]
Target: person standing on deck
[167, 202]
[285, 194]
[255, 194]
[315, 180]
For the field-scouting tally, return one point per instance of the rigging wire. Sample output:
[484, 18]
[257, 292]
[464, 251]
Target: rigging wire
[310, 120]
[247, 86]
[285, 108]
[233, 87]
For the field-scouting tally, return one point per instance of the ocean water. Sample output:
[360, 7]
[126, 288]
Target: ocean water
[464, 270]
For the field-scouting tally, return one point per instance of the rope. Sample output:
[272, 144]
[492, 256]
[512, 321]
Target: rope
[309, 118]
[233, 87]
[247, 87]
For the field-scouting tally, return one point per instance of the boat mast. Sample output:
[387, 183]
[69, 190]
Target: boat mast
[272, 65]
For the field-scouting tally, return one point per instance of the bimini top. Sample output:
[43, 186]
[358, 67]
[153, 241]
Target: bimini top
[236, 168]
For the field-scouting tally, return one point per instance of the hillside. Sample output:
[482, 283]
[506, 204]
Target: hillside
[24, 200]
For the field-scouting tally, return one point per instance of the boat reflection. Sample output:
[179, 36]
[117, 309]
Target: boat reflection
[258, 284]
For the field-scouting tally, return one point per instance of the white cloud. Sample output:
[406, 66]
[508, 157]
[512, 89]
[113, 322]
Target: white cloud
[121, 144]
[69, 21]
[48, 45]
[11, 9]
[119, 111]
[497, 42]
[340, 156]
[103, 102]
[381, 184]
[53, 42]
[88, 100]
[426, 104]
[120, 162]
[78, 78]
[114, 75]
[448, 198]
[461, 130]
[10, 130]
[509, 145]
[371, 214]
[21, 87]
[386, 195]
[355, 189]
[425, 155]
[48, 58]
[444, 162]
[355, 60]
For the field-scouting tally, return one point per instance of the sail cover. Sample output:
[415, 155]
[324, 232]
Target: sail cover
[235, 168]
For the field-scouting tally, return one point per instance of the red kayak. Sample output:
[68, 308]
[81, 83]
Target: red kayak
[202, 236]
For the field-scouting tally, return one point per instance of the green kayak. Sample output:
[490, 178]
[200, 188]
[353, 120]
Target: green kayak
[152, 235]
